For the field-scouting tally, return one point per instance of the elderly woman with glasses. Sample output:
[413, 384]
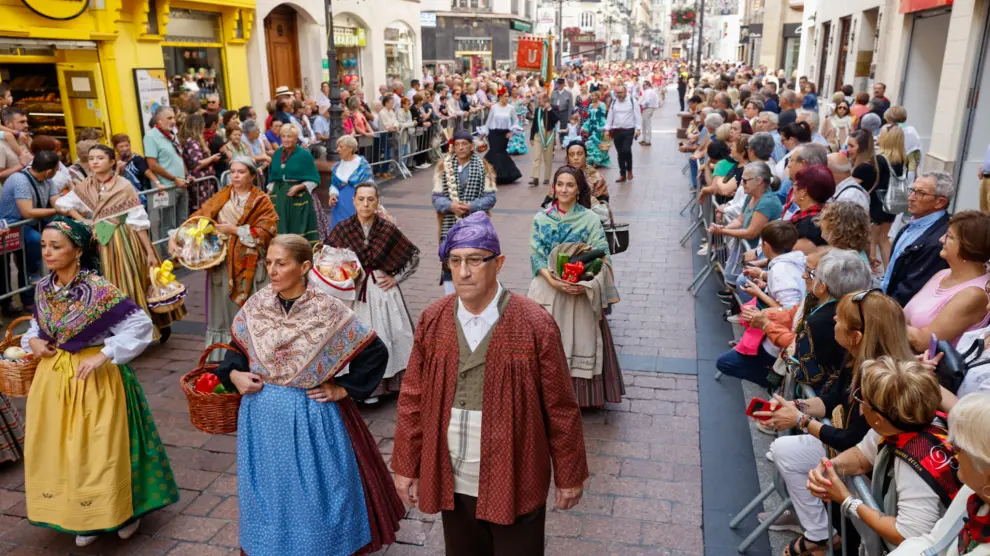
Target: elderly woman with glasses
[965, 527]
[954, 300]
[868, 325]
[907, 451]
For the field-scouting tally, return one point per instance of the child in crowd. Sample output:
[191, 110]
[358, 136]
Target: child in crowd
[783, 278]
[573, 129]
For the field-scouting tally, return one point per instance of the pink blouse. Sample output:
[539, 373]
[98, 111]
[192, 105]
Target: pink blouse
[925, 306]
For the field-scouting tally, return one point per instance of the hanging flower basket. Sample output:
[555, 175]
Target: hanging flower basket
[572, 32]
[684, 16]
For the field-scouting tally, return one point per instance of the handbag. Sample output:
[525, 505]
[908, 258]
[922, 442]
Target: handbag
[617, 235]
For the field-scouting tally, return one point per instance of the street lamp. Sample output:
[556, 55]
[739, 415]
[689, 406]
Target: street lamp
[336, 111]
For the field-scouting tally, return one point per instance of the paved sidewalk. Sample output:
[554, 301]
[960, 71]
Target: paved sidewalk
[644, 496]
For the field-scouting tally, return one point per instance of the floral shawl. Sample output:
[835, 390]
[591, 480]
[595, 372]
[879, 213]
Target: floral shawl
[242, 261]
[301, 349]
[118, 197]
[551, 228]
[80, 313]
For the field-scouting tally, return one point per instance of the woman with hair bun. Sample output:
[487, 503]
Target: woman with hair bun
[109, 204]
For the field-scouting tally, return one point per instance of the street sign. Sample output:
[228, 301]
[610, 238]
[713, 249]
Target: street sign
[427, 19]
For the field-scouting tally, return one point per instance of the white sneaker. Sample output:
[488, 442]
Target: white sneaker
[704, 250]
[128, 531]
[371, 401]
[85, 540]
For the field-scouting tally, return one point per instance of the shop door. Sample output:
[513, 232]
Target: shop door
[282, 42]
[923, 73]
[83, 99]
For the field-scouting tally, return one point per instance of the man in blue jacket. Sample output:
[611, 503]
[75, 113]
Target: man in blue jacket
[914, 257]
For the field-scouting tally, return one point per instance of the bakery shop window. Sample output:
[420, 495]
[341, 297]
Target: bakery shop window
[35, 90]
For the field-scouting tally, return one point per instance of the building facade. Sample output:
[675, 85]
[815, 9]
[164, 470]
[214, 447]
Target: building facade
[73, 66]
[372, 49]
[470, 36]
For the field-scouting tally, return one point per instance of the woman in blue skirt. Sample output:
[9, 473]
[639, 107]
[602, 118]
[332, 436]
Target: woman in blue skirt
[311, 478]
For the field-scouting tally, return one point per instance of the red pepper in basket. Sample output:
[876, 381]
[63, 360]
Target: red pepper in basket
[572, 271]
[207, 383]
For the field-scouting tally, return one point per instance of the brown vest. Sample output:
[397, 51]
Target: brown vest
[471, 364]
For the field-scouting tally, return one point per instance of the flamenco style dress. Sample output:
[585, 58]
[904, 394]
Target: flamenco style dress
[501, 121]
[93, 462]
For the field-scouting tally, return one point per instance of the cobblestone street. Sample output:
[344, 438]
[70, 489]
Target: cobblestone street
[644, 495]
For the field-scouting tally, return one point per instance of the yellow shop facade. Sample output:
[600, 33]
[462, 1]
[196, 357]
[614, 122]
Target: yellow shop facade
[107, 64]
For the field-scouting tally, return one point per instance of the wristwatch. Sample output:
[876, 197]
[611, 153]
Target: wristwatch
[851, 509]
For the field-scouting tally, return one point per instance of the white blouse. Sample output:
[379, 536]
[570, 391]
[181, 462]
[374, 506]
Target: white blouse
[501, 117]
[137, 217]
[124, 342]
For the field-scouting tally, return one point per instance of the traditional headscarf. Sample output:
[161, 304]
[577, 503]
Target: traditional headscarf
[473, 232]
[81, 236]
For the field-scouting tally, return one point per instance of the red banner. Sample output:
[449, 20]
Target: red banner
[529, 54]
[909, 6]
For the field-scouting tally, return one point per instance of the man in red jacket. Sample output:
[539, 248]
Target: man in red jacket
[487, 408]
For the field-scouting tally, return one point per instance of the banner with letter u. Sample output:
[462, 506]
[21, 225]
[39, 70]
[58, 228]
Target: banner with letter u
[529, 54]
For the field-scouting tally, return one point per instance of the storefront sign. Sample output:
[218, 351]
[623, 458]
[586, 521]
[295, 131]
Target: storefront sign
[151, 85]
[910, 6]
[427, 19]
[471, 44]
[522, 26]
[348, 36]
[792, 30]
[756, 30]
[57, 9]
[529, 54]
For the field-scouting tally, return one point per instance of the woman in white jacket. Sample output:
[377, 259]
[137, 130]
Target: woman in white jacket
[965, 527]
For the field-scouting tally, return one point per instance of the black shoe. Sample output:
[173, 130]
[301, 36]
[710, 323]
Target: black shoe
[166, 334]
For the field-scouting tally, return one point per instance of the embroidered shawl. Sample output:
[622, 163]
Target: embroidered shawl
[83, 311]
[119, 197]
[481, 180]
[299, 166]
[387, 249]
[301, 349]
[242, 261]
[551, 228]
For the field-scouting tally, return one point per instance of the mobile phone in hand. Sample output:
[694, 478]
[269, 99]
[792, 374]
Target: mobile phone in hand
[932, 347]
[757, 404]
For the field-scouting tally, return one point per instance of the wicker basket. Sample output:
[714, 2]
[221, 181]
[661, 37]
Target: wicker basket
[16, 377]
[167, 303]
[208, 264]
[209, 412]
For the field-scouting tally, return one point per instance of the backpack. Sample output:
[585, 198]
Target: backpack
[895, 199]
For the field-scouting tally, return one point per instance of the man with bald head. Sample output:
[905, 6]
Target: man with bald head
[847, 188]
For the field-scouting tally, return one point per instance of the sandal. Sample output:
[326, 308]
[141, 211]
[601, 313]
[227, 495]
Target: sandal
[801, 546]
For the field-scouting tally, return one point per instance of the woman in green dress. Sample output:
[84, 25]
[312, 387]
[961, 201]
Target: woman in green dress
[291, 182]
[594, 126]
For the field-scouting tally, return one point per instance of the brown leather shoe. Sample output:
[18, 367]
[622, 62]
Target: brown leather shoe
[534, 182]
[629, 176]
[621, 179]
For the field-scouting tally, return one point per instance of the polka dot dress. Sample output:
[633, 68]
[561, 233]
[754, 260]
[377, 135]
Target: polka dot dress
[298, 480]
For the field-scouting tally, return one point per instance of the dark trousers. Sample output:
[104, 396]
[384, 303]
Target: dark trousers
[753, 368]
[680, 96]
[465, 535]
[623, 146]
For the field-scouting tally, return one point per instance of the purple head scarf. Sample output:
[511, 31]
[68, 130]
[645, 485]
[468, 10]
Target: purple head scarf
[473, 232]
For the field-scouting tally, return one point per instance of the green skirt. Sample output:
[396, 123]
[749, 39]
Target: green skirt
[296, 215]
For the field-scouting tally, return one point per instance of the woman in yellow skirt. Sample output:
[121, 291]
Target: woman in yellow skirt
[93, 460]
[110, 205]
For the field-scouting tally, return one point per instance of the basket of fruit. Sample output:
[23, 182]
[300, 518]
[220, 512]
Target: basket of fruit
[212, 409]
[165, 293]
[200, 244]
[336, 271]
[16, 365]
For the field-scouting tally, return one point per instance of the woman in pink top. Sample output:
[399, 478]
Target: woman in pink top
[954, 301]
